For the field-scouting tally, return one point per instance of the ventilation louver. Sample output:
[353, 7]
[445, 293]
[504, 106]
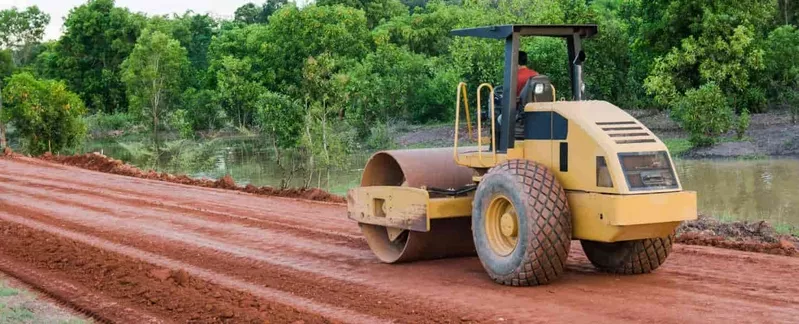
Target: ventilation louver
[626, 132]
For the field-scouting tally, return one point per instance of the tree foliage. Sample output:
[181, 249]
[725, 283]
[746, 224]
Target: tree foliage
[251, 13]
[20, 31]
[153, 74]
[98, 36]
[782, 71]
[304, 75]
[377, 11]
[45, 113]
[6, 69]
[704, 113]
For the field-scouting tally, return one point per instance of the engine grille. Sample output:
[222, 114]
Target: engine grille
[626, 132]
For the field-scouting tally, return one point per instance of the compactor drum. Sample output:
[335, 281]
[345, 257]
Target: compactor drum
[552, 171]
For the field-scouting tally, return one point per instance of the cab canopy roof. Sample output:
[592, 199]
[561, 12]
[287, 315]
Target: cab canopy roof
[505, 31]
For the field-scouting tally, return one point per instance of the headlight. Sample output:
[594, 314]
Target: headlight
[539, 88]
[648, 170]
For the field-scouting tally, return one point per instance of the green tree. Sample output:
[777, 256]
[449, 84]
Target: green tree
[281, 118]
[425, 31]
[704, 113]
[238, 93]
[206, 111]
[666, 23]
[294, 35]
[44, 112]
[376, 11]
[788, 12]
[782, 71]
[153, 75]
[6, 69]
[251, 13]
[324, 137]
[97, 37]
[246, 44]
[20, 31]
[724, 58]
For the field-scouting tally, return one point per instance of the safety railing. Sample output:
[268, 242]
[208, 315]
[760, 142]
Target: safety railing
[458, 99]
[458, 91]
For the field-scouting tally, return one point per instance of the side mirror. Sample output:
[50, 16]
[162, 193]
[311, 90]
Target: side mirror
[579, 59]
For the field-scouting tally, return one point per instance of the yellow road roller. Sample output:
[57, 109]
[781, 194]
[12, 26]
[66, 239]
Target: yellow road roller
[551, 171]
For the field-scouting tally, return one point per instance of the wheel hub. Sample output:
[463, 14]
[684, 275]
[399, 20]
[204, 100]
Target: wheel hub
[507, 225]
[502, 225]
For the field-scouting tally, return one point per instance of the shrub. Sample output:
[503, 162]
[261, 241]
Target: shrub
[742, 125]
[380, 137]
[44, 112]
[280, 118]
[110, 122]
[179, 120]
[704, 113]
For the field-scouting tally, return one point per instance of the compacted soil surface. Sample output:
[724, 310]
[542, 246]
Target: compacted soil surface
[134, 250]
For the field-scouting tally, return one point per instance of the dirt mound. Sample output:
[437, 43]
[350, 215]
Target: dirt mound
[757, 236]
[7, 151]
[102, 163]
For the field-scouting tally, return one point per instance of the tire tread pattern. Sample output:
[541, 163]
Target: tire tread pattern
[645, 256]
[550, 231]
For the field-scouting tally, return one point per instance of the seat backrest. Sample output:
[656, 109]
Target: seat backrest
[528, 95]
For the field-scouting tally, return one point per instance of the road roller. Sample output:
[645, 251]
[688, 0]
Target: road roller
[544, 172]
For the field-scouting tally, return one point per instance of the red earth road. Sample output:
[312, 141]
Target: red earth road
[130, 250]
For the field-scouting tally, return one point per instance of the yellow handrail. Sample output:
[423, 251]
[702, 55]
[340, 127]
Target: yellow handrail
[554, 94]
[479, 123]
[461, 89]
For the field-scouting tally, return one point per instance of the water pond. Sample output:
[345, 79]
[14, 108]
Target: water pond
[729, 189]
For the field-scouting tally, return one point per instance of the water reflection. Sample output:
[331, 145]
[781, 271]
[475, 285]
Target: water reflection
[745, 190]
[748, 190]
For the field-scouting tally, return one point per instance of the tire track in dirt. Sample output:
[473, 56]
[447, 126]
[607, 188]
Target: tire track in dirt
[197, 210]
[72, 295]
[159, 218]
[193, 273]
[696, 285]
[279, 209]
[243, 262]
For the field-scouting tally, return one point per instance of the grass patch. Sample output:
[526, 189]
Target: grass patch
[752, 157]
[678, 146]
[15, 314]
[787, 229]
[6, 291]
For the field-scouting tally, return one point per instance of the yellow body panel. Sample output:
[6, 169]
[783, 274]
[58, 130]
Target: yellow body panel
[587, 139]
[485, 159]
[606, 214]
[611, 218]
[403, 207]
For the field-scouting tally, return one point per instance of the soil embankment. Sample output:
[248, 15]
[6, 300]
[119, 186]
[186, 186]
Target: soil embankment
[102, 163]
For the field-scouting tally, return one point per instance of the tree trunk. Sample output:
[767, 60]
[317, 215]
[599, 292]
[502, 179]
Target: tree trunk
[310, 143]
[3, 142]
[324, 131]
[785, 11]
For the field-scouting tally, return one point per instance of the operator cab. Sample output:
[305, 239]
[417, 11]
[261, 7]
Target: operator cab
[537, 89]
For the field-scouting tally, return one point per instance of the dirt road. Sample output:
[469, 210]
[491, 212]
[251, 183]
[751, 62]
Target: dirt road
[128, 250]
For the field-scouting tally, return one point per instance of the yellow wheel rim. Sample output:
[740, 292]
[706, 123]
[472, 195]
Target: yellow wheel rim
[502, 225]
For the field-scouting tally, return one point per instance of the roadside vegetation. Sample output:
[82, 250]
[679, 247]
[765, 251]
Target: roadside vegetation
[332, 77]
[20, 306]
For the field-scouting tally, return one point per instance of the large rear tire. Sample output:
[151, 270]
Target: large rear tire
[521, 224]
[629, 257]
